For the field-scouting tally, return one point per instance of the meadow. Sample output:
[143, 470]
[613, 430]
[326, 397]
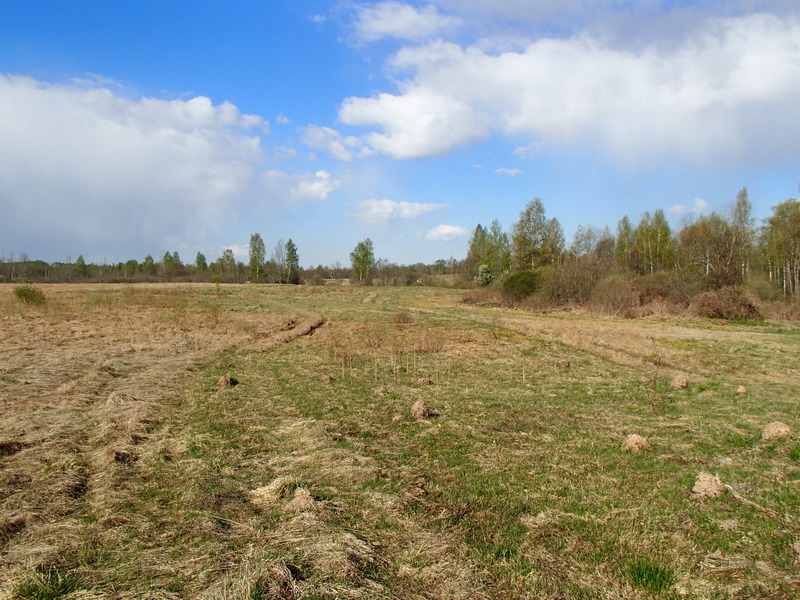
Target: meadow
[257, 442]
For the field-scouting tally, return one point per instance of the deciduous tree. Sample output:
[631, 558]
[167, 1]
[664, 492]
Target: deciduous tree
[258, 256]
[279, 260]
[781, 243]
[362, 259]
[536, 241]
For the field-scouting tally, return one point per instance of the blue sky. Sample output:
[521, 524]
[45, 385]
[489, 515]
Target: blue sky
[134, 127]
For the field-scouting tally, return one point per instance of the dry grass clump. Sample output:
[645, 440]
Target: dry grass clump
[302, 501]
[487, 297]
[787, 309]
[731, 302]
[257, 578]
[275, 491]
[227, 381]
[679, 382]
[776, 431]
[420, 410]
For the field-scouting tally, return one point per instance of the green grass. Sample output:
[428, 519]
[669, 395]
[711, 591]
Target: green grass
[650, 576]
[47, 583]
[516, 488]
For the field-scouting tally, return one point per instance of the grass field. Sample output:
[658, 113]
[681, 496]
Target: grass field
[130, 468]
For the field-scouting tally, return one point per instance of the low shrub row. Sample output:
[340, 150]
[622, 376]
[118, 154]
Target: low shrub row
[623, 295]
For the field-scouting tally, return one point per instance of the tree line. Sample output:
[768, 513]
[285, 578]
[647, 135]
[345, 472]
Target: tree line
[724, 248]
[281, 265]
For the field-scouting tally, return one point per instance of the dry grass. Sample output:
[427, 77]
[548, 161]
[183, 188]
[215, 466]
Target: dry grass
[127, 472]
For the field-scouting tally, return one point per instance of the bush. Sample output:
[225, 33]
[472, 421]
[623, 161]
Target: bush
[485, 276]
[573, 281]
[731, 302]
[521, 285]
[764, 289]
[676, 286]
[616, 295]
[29, 294]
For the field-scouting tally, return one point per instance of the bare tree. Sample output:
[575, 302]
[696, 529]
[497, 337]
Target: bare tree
[279, 258]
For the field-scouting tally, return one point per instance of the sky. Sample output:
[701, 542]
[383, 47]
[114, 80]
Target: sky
[136, 127]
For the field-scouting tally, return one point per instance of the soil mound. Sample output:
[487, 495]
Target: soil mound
[680, 382]
[635, 443]
[707, 486]
[775, 431]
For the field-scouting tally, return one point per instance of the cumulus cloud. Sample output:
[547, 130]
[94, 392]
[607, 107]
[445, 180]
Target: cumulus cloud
[83, 169]
[298, 187]
[699, 206]
[513, 173]
[421, 122]
[331, 141]
[383, 211]
[727, 92]
[445, 233]
[401, 21]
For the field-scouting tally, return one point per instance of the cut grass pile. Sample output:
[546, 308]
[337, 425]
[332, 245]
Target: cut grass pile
[311, 479]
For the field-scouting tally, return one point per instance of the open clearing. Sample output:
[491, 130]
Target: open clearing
[131, 468]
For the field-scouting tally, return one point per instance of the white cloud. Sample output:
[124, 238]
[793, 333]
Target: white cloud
[699, 206]
[382, 211]
[331, 141]
[282, 120]
[85, 170]
[400, 20]
[299, 187]
[512, 173]
[241, 252]
[445, 233]
[727, 92]
[422, 122]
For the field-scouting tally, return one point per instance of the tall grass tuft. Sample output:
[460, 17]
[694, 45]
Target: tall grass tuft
[29, 294]
[646, 574]
[47, 583]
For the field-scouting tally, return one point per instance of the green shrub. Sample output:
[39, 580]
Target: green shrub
[485, 276]
[648, 575]
[522, 284]
[29, 294]
[764, 289]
